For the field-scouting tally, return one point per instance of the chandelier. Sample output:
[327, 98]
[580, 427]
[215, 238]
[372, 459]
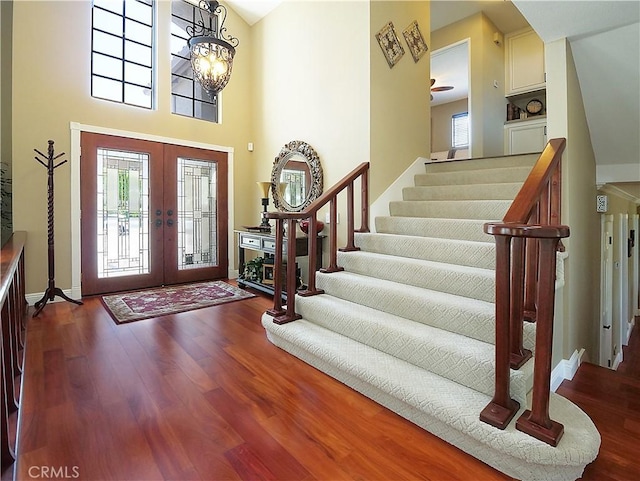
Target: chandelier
[212, 49]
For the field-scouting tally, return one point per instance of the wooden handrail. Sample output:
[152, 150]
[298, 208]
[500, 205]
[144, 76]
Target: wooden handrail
[526, 243]
[281, 316]
[13, 307]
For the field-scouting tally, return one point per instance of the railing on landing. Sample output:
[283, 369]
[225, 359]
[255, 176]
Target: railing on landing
[330, 197]
[13, 307]
[526, 243]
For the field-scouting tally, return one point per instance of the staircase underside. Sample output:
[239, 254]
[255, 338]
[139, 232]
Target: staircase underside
[409, 323]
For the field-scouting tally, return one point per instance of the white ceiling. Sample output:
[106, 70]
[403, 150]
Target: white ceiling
[252, 10]
[504, 15]
[450, 66]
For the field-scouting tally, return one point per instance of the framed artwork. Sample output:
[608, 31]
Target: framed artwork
[415, 41]
[267, 274]
[390, 45]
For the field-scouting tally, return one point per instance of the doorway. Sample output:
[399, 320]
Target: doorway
[606, 292]
[152, 214]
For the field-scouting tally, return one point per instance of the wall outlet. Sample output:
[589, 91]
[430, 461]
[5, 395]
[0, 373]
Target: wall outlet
[327, 218]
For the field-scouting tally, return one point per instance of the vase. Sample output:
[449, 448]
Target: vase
[304, 226]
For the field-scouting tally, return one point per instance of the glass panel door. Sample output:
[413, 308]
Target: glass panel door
[122, 242]
[152, 214]
[196, 189]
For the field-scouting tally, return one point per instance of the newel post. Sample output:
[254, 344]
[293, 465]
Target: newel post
[536, 422]
[502, 408]
[290, 315]
[277, 272]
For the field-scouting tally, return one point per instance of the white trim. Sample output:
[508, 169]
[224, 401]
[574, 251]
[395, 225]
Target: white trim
[617, 360]
[566, 369]
[380, 208]
[627, 172]
[76, 128]
[618, 192]
[630, 326]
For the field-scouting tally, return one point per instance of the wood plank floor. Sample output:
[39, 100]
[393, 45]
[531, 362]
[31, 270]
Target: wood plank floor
[204, 395]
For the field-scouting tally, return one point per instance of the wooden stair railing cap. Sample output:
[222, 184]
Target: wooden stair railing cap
[527, 230]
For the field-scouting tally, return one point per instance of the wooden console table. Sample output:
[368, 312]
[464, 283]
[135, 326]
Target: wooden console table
[263, 242]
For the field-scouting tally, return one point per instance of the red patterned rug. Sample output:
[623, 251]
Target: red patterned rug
[134, 306]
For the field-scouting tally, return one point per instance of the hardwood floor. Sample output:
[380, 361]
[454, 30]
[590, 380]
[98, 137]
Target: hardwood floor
[204, 395]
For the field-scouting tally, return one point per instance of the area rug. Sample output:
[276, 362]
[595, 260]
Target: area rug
[134, 306]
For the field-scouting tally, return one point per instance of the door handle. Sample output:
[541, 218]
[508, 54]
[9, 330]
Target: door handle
[158, 222]
[170, 222]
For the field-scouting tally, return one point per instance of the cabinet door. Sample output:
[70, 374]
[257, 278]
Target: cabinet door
[525, 137]
[524, 62]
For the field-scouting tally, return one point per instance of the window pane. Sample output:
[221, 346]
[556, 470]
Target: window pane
[137, 75]
[140, 11]
[114, 6]
[107, 21]
[107, 66]
[181, 67]
[140, 96]
[182, 86]
[197, 192]
[137, 53]
[139, 33]
[183, 10]
[179, 27]
[460, 130]
[205, 111]
[181, 106]
[106, 89]
[105, 43]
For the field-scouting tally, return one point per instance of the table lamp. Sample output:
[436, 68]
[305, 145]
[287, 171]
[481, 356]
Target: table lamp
[264, 190]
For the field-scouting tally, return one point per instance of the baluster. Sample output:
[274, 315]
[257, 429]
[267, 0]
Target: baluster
[7, 455]
[290, 314]
[350, 222]
[364, 188]
[544, 206]
[333, 238]
[277, 272]
[519, 355]
[502, 408]
[311, 289]
[536, 422]
[531, 274]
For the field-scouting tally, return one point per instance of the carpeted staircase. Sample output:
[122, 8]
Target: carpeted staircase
[410, 321]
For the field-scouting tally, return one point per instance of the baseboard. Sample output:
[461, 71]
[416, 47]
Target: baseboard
[617, 360]
[632, 323]
[233, 274]
[73, 293]
[566, 369]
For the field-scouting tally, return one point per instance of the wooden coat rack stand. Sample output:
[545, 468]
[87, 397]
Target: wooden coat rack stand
[52, 291]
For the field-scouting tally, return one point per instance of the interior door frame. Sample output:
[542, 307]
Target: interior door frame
[606, 290]
[76, 129]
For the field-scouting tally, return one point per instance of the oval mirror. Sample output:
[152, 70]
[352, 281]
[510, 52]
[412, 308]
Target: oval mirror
[296, 177]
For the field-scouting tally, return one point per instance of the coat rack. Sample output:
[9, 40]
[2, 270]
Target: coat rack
[52, 291]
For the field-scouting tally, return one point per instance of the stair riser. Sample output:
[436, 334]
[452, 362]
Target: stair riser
[472, 254]
[478, 209]
[458, 280]
[486, 176]
[463, 192]
[466, 230]
[479, 164]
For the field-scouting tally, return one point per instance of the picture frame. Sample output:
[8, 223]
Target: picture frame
[415, 41]
[267, 274]
[390, 45]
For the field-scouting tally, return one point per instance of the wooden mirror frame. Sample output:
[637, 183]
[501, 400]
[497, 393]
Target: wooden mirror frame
[297, 148]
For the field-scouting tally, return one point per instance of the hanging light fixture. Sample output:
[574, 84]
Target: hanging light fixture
[212, 49]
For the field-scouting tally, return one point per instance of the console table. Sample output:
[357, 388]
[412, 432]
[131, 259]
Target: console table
[266, 243]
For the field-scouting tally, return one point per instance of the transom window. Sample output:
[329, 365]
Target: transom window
[122, 58]
[460, 130]
[187, 95]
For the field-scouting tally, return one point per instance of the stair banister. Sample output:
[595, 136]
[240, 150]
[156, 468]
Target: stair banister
[330, 196]
[526, 243]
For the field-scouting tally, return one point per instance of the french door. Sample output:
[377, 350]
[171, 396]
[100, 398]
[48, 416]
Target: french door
[152, 214]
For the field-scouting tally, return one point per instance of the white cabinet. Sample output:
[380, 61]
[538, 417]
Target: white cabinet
[525, 136]
[524, 62]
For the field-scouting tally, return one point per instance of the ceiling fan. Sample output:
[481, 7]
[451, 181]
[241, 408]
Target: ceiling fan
[444, 88]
